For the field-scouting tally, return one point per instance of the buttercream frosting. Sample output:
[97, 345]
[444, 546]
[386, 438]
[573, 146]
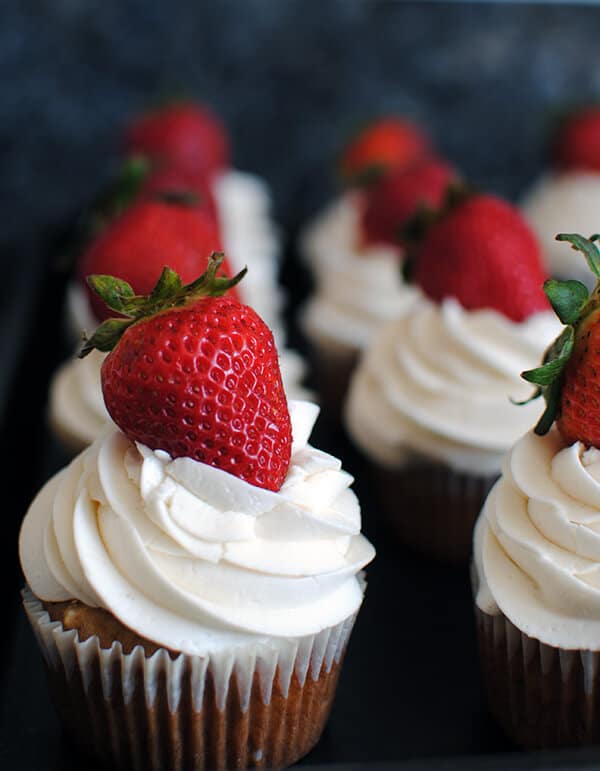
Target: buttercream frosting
[537, 542]
[191, 557]
[564, 203]
[358, 287]
[438, 383]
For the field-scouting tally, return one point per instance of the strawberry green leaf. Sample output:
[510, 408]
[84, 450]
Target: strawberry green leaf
[114, 291]
[568, 298]
[552, 396]
[586, 246]
[167, 285]
[106, 336]
[556, 360]
[169, 292]
[535, 395]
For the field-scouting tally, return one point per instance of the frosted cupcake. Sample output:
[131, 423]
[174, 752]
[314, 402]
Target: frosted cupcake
[430, 402]
[568, 196]
[195, 573]
[537, 547]
[355, 251]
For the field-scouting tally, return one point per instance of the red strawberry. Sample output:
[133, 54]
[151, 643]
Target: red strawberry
[569, 378]
[147, 236]
[171, 180]
[394, 199]
[197, 375]
[483, 253]
[385, 145]
[184, 135]
[577, 143]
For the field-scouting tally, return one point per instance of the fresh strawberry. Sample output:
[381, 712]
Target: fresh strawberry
[394, 199]
[482, 252]
[147, 236]
[184, 135]
[173, 181]
[569, 378]
[385, 145]
[195, 374]
[577, 143]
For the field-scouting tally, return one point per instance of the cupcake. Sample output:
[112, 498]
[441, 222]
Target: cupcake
[430, 402]
[568, 196]
[193, 576]
[537, 547]
[355, 250]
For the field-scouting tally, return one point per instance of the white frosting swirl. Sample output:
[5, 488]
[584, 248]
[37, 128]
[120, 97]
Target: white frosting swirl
[251, 239]
[192, 557]
[438, 383]
[537, 543]
[564, 203]
[357, 288]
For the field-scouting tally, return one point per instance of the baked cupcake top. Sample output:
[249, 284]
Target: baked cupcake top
[567, 196]
[439, 381]
[355, 246]
[201, 521]
[537, 541]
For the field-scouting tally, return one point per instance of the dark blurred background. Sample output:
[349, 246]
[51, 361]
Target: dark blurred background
[290, 77]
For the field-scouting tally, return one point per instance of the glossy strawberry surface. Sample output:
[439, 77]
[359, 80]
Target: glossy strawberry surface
[485, 255]
[203, 381]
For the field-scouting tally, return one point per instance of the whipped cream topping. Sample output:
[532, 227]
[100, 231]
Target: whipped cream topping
[564, 203]
[251, 239]
[192, 557]
[358, 288]
[438, 384]
[537, 542]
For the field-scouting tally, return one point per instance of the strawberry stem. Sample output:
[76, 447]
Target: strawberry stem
[169, 292]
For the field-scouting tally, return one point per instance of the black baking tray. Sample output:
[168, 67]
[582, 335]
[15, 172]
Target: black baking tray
[409, 696]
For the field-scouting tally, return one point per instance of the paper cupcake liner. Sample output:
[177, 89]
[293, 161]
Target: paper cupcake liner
[431, 508]
[543, 697]
[253, 707]
[332, 369]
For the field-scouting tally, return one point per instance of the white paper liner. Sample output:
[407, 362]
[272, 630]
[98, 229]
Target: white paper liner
[258, 706]
[285, 656]
[543, 697]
